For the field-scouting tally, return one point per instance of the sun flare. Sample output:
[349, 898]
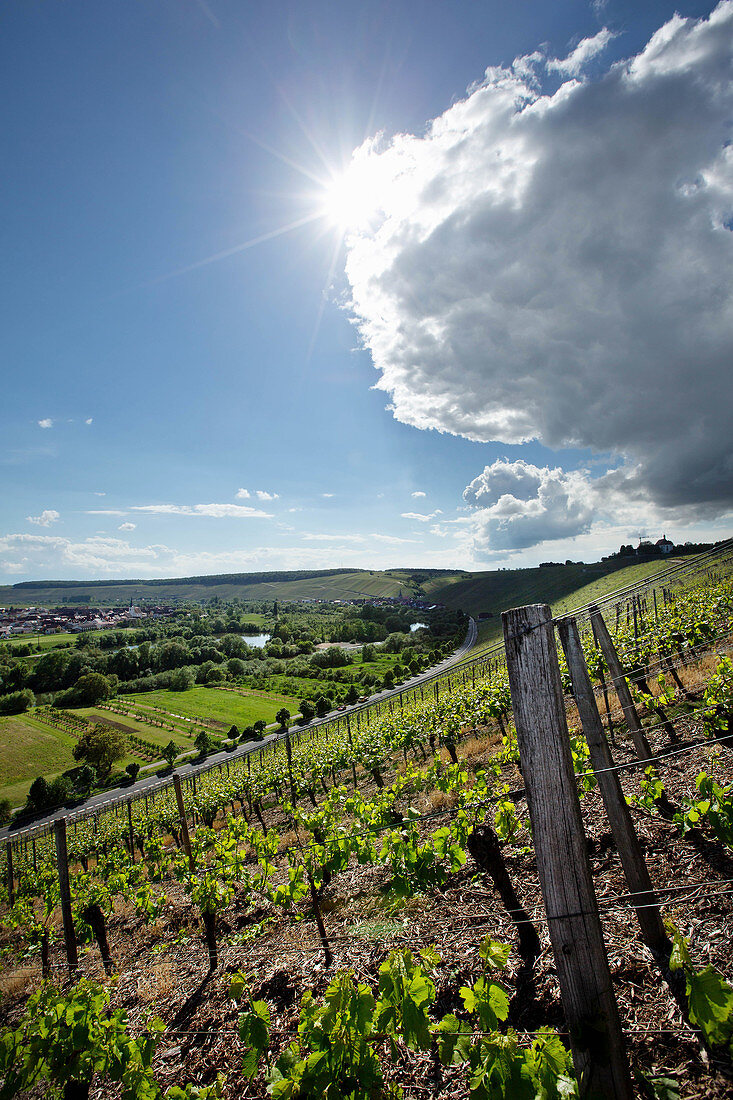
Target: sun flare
[350, 198]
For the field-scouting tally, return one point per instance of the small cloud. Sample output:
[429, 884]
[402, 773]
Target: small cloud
[89, 420]
[418, 493]
[420, 516]
[105, 511]
[319, 537]
[127, 527]
[380, 496]
[46, 518]
[100, 494]
[47, 422]
[217, 511]
[327, 496]
[261, 494]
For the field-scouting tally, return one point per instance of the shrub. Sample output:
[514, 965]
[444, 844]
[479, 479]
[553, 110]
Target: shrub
[17, 702]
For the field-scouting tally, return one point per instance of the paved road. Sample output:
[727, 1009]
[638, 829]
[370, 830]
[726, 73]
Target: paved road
[186, 770]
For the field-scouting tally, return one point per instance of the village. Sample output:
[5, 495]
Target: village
[16, 622]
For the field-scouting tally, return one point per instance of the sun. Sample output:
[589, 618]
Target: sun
[350, 199]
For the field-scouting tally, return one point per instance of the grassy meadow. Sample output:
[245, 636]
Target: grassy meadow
[227, 708]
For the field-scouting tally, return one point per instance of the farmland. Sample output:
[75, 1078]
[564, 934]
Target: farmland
[354, 863]
[223, 708]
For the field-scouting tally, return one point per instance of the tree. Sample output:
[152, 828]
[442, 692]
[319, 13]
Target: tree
[283, 717]
[87, 775]
[259, 727]
[100, 746]
[90, 689]
[38, 793]
[233, 733]
[352, 695]
[5, 811]
[203, 742]
[182, 679]
[307, 710]
[17, 702]
[235, 667]
[132, 770]
[170, 752]
[172, 654]
[60, 791]
[323, 705]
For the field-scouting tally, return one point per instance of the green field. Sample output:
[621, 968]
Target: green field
[29, 748]
[225, 707]
[133, 725]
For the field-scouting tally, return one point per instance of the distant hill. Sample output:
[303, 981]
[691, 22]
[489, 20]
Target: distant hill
[490, 591]
[324, 584]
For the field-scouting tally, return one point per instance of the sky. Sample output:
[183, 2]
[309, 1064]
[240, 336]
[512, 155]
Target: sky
[318, 284]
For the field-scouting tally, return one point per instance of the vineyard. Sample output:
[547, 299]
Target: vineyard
[419, 899]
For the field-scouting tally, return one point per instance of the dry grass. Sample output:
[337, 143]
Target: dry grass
[157, 984]
[18, 983]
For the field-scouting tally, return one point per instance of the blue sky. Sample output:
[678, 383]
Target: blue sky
[181, 400]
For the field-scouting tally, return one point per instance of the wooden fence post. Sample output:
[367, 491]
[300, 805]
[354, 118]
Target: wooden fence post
[608, 650]
[11, 875]
[562, 860]
[645, 900]
[131, 829]
[604, 687]
[62, 863]
[182, 817]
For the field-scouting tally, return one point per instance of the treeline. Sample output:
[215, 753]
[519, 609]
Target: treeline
[210, 581]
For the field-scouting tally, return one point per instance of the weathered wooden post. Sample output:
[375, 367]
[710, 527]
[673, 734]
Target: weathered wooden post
[289, 752]
[131, 830]
[182, 818]
[604, 688]
[11, 874]
[62, 863]
[562, 861]
[608, 650]
[645, 900]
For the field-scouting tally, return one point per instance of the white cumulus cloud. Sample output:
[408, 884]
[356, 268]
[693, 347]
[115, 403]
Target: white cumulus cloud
[46, 518]
[127, 527]
[47, 422]
[418, 493]
[516, 505]
[559, 267]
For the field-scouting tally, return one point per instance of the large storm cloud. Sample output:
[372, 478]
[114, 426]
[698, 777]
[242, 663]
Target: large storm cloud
[558, 265]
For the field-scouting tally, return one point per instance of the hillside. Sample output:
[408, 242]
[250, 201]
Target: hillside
[332, 584]
[562, 586]
[489, 591]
